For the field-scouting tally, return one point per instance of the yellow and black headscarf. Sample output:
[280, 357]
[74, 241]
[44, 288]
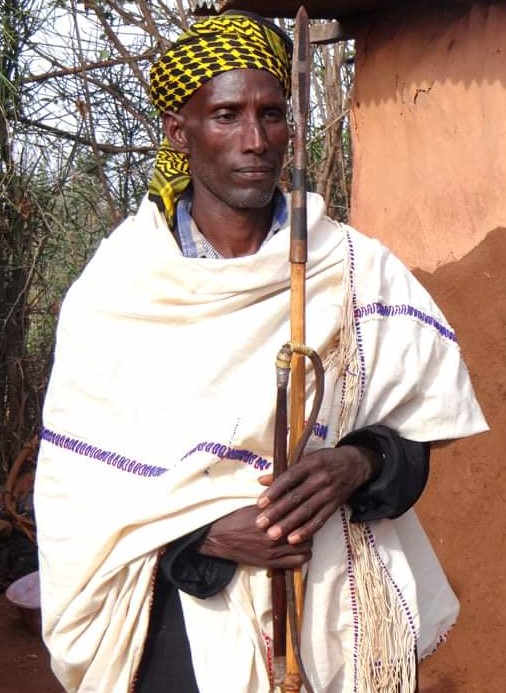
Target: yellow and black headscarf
[230, 41]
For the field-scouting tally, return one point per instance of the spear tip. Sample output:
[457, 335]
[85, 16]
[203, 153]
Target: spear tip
[300, 68]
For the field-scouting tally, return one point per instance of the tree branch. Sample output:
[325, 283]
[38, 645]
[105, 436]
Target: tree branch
[64, 72]
[104, 147]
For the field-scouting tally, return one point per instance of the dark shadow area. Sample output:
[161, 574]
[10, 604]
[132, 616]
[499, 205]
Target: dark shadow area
[464, 507]
[443, 685]
[288, 8]
[317, 9]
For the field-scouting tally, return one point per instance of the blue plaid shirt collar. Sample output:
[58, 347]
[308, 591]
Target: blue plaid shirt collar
[194, 244]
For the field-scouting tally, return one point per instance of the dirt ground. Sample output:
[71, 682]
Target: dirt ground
[24, 662]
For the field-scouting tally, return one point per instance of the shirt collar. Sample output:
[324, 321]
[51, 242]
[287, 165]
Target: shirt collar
[194, 244]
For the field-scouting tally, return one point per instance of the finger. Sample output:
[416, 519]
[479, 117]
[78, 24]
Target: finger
[310, 528]
[266, 479]
[290, 558]
[290, 562]
[282, 549]
[282, 507]
[304, 521]
[317, 489]
[291, 522]
[293, 476]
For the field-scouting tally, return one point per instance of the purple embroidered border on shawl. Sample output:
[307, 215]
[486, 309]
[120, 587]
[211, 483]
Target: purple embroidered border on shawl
[113, 459]
[358, 331]
[389, 311]
[385, 311]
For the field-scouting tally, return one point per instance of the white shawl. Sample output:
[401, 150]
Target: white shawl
[159, 419]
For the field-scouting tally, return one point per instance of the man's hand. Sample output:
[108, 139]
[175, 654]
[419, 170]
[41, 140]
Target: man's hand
[238, 538]
[277, 532]
[299, 502]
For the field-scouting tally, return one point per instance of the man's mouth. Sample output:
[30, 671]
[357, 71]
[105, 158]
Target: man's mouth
[255, 172]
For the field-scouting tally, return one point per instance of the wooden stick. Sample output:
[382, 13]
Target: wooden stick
[280, 463]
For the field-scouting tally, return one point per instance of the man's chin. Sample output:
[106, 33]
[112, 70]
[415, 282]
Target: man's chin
[252, 199]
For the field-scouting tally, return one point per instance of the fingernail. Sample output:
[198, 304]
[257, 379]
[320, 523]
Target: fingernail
[274, 533]
[262, 521]
[263, 502]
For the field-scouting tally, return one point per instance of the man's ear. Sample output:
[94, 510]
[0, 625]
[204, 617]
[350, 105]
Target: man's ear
[174, 131]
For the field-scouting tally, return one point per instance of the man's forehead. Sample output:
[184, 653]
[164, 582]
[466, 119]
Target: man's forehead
[236, 85]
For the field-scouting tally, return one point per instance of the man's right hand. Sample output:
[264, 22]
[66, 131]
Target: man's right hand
[237, 538]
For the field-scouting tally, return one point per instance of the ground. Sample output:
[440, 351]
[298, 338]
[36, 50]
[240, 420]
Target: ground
[24, 662]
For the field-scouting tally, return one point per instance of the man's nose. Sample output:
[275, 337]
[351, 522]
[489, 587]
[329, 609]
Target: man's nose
[254, 135]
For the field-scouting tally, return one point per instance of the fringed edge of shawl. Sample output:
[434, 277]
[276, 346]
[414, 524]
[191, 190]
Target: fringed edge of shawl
[387, 657]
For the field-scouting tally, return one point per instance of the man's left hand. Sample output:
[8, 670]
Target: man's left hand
[299, 502]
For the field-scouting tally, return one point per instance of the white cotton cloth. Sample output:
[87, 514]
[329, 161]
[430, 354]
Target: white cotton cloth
[159, 419]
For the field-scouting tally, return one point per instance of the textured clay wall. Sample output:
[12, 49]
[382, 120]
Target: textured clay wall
[429, 120]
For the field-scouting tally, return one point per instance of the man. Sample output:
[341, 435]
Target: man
[158, 520]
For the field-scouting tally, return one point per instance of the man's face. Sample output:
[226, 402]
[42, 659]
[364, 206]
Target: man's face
[235, 132]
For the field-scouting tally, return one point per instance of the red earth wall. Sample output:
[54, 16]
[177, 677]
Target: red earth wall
[429, 133]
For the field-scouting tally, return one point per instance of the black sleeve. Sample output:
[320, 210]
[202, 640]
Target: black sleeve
[183, 566]
[402, 478]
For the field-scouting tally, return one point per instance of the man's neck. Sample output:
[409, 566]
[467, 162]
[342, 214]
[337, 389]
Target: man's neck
[233, 232]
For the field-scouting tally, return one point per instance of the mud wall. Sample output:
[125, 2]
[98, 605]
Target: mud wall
[429, 129]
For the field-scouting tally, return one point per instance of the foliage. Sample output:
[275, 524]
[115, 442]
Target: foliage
[77, 141]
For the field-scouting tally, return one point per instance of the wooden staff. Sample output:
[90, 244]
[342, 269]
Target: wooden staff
[298, 258]
[286, 612]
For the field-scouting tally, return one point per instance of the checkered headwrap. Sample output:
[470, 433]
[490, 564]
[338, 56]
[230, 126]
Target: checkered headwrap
[230, 41]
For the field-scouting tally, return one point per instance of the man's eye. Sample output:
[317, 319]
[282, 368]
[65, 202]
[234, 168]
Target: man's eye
[274, 115]
[225, 116]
